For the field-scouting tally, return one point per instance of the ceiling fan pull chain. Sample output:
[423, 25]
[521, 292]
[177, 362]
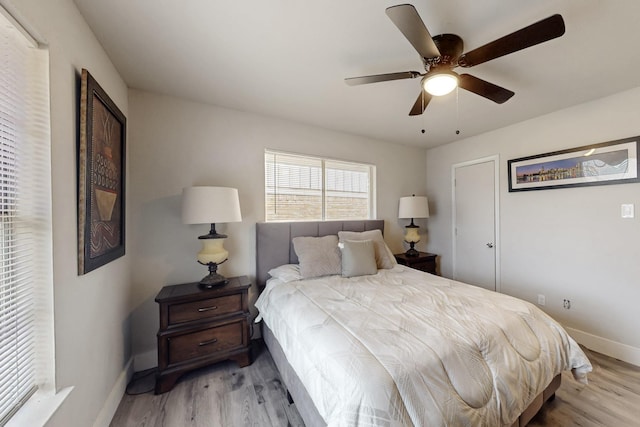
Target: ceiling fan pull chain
[424, 119]
[457, 110]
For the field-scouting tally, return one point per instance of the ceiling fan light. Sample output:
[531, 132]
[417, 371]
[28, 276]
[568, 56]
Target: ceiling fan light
[440, 84]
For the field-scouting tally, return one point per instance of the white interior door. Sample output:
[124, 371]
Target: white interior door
[475, 222]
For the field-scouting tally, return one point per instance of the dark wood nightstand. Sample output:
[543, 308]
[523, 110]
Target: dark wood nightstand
[201, 326]
[424, 261]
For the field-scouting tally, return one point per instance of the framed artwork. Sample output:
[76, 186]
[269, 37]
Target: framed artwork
[613, 162]
[101, 177]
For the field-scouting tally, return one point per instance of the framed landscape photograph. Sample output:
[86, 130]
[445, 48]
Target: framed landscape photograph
[612, 162]
[101, 177]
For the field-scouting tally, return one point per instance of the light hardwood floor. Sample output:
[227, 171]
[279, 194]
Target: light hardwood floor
[224, 395]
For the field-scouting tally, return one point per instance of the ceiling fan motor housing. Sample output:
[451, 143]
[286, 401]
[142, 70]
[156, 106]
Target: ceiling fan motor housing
[450, 47]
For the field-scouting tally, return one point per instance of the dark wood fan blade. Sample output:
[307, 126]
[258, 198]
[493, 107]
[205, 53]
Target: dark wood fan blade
[534, 34]
[421, 103]
[353, 81]
[483, 88]
[406, 18]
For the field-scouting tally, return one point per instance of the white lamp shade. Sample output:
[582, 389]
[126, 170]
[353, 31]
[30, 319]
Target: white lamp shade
[208, 205]
[413, 207]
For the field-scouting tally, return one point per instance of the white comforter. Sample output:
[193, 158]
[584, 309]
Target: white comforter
[403, 348]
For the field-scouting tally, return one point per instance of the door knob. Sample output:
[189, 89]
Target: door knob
[489, 245]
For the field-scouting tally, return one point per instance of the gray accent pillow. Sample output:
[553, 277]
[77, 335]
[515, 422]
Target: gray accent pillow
[318, 256]
[384, 257]
[358, 258]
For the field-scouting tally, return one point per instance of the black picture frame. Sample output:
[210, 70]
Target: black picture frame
[611, 162]
[101, 177]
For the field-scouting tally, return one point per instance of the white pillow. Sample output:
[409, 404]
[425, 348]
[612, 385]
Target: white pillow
[318, 256]
[286, 273]
[358, 258]
[384, 256]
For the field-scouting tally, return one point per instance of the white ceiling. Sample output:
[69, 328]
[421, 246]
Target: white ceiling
[288, 59]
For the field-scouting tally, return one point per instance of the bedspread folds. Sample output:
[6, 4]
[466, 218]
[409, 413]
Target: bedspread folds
[404, 347]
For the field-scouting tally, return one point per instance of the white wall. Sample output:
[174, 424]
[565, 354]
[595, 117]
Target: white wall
[176, 144]
[91, 311]
[563, 243]
[577, 246]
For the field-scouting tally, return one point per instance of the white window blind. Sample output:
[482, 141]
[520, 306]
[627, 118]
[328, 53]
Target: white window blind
[25, 219]
[305, 188]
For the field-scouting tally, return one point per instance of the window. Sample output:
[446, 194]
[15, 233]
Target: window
[25, 220]
[304, 188]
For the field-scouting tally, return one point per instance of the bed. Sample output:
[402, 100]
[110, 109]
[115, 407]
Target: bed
[397, 346]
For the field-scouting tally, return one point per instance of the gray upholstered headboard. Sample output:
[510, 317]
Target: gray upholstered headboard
[274, 247]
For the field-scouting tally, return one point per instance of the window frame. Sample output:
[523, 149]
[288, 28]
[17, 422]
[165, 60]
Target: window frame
[371, 170]
[33, 135]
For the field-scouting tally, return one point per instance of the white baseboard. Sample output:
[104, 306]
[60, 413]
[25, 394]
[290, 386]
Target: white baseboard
[617, 350]
[146, 360]
[111, 404]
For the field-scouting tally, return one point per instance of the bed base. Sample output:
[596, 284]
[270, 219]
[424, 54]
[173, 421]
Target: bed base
[296, 392]
[534, 407]
[307, 410]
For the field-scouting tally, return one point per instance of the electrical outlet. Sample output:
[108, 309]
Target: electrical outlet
[541, 299]
[566, 304]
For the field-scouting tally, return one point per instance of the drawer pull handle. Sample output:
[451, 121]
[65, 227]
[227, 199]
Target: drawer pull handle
[213, 341]
[202, 310]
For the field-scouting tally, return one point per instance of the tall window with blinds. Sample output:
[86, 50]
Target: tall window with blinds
[25, 219]
[304, 188]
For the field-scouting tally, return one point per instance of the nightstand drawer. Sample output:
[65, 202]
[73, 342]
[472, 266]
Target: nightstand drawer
[204, 309]
[205, 342]
[428, 266]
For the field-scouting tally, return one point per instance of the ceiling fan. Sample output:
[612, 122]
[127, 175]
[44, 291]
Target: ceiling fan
[442, 53]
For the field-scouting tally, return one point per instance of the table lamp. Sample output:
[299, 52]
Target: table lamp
[413, 207]
[211, 205]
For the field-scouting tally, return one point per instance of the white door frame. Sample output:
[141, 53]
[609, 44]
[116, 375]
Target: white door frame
[496, 170]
